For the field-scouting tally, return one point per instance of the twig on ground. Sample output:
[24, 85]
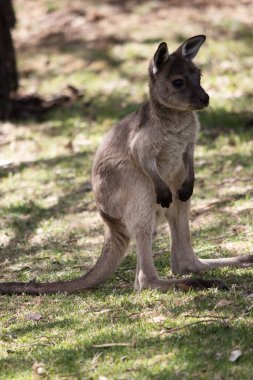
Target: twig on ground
[160, 253]
[107, 345]
[169, 330]
[204, 316]
[35, 344]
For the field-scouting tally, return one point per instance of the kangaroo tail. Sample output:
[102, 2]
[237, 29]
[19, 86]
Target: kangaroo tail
[115, 244]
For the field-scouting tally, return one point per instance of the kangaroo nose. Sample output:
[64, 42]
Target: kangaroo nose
[205, 99]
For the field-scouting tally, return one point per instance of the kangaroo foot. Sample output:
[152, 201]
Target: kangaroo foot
[185, 284]
[203, 265]
[199, 283]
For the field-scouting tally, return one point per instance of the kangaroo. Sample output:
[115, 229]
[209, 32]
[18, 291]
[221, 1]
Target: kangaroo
[144, 163]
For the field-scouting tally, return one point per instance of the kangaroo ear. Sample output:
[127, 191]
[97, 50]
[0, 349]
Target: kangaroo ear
[161, 56]
[189, 49]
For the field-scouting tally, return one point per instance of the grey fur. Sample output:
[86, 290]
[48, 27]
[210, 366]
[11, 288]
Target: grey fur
[143, 163]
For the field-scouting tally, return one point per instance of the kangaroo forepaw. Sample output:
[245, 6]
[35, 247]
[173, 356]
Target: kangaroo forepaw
[185, 191]
[199, 283]
[164, 196]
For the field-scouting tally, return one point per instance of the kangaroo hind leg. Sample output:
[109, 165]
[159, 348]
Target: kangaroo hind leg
[183, 258]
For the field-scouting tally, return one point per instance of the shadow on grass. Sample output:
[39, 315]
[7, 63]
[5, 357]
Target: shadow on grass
[24, 228]
[24, 219]
[219, 122]
[223, 202]
[69, 160]
[113, 106]
[190, 350]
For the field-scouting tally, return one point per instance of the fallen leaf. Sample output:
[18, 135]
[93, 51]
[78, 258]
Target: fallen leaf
[134, 315]
[234, 355]
[103, 311]
[39, 368]
[33, 316]
[5, 163]
[159, 318]
[107, 345]
[218, 355]
[154, 334]
[223, 303]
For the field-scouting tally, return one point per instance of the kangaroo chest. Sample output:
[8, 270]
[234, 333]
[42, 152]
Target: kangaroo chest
[170, 157]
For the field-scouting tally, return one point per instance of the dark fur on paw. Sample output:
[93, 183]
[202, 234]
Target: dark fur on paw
[214, 283]
[199, 283]
[164, 196]
[246, 260]
[185, 191]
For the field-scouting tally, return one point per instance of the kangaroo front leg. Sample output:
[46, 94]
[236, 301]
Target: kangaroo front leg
[145, 156]
[184, 192]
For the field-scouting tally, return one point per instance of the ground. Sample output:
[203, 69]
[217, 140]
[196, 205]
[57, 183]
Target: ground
[50, 228]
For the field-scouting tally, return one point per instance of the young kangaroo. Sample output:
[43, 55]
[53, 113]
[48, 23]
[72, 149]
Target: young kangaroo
[145, 161]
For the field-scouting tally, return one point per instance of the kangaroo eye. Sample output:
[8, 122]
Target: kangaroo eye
[178, 83]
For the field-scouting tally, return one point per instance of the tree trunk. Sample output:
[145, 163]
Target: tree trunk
[8, 71]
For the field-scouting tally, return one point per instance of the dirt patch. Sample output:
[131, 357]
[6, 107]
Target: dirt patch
[110, 22]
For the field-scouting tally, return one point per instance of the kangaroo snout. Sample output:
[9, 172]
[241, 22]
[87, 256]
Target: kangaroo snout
[200, 100]
[204, 99]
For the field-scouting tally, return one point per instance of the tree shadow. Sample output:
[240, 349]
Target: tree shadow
[95, 109]
[219, 122]
[223, 202]
[203, 344]
[50, 163]
[26, 217]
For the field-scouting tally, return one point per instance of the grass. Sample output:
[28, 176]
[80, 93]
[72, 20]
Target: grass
[49, 225]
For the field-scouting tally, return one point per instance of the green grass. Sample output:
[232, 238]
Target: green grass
[50, 228]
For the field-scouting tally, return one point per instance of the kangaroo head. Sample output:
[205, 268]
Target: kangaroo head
[175, 80]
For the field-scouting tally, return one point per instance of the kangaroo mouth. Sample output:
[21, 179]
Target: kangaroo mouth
[200, 102]
[198, 107]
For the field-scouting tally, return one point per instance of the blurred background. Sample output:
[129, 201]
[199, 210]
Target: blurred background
[101, 49]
